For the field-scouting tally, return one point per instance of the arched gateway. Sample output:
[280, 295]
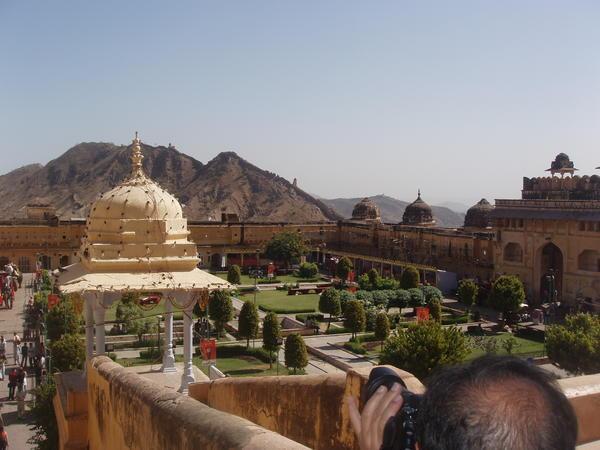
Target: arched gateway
[551, 269]
[136, 241]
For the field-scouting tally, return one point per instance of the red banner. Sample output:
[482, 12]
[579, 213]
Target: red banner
[208, 349]
[422, 313]
[53, 301]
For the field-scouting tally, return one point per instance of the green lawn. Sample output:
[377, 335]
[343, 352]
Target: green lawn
[245, 279]
[158, 309]
[241, 366]
[525, 347]
[282, 303]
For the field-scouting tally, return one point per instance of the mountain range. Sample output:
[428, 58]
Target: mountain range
[227, 183]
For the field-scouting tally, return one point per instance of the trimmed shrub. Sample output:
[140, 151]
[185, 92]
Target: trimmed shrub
[410, 278]
[308, 270]
[234, 274]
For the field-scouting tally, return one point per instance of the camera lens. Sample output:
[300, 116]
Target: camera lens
[381, 376]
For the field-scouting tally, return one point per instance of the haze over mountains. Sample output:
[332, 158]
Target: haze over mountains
[392, 209]
[228, 183]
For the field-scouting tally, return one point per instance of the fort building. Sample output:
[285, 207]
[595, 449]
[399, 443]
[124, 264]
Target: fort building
[550, 235]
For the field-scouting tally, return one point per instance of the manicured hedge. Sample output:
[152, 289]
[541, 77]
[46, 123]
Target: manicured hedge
[230, 351]
[355, 347]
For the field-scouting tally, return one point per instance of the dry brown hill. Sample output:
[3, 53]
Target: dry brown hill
[76, 178]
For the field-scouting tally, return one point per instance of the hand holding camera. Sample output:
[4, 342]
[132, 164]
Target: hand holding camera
[388, 419]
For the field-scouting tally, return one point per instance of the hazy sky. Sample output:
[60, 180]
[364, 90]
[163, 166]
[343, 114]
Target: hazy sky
[353, 98]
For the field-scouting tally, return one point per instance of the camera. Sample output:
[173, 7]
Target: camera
[400, 431]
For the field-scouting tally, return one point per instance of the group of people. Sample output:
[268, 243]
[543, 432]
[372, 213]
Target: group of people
[26, 355]
[11, 279]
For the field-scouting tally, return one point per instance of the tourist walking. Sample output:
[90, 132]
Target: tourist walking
[12, 384]
[2, 357]
[3, 438]
[30, 354]
[24, 352]
[16, 344]
[21, 393]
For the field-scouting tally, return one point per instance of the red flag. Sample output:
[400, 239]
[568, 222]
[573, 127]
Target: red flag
[422, 313]
[53, 301]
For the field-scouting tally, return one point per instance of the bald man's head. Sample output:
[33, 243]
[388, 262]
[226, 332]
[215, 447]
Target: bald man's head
[495, 403]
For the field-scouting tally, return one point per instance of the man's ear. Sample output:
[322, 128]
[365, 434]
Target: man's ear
[417, 446]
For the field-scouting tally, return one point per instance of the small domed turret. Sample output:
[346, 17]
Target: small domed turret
[366, 209]
[418, 213]
[479, 215]
[562, 164]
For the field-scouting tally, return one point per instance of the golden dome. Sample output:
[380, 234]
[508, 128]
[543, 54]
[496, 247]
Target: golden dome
[137, 226]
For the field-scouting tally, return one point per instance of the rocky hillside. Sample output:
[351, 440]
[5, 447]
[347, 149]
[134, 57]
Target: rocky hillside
[392, 209]
[75, 179]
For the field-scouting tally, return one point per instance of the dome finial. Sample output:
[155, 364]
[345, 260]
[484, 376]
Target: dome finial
[136, 158]
[419, 193]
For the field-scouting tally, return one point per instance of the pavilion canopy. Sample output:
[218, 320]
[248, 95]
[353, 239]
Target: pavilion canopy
[76, 279]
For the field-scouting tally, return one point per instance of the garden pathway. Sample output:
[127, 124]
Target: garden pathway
[11, 320]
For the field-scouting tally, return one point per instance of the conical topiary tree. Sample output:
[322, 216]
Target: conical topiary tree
[248, 322]
[271, 335]
[329, 303]
[296, 356]
[410, 278]
[234, 274]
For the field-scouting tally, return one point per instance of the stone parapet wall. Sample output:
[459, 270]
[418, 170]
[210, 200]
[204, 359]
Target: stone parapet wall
[308, 409]
[127, 411]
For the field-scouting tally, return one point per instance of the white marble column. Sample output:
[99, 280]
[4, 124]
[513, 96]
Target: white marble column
[89, 326]
[188, 348]
[100, 332]
[168, 362]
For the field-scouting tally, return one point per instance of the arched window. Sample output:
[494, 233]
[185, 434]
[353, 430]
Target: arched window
[513, 252]
[589, 260]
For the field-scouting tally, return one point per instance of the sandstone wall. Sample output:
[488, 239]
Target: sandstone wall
[126, 411]
[308, 409]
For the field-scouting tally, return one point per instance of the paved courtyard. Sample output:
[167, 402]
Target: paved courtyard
[10, 321]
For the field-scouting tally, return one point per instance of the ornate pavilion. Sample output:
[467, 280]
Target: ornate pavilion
[136, 241]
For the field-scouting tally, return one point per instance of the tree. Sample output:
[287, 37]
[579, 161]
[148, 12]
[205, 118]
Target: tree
[142, 326]
[62, 319]
[424, 346]
[343, 268]
[308, 270]
[271, 334]
[467, 292]
[355, 317]
[286, 247]
[373, 276]
[329, 303]
[431, 294]
[220, 309]
[68, 353]
[234, 274]
[416, 297]
[345, 297]
[507, 294]
[248, 322]
[400, 299]
[382, 327]
[410, 278]
[45, 427]
[435, 310]
[296, 356]
[575, 345]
